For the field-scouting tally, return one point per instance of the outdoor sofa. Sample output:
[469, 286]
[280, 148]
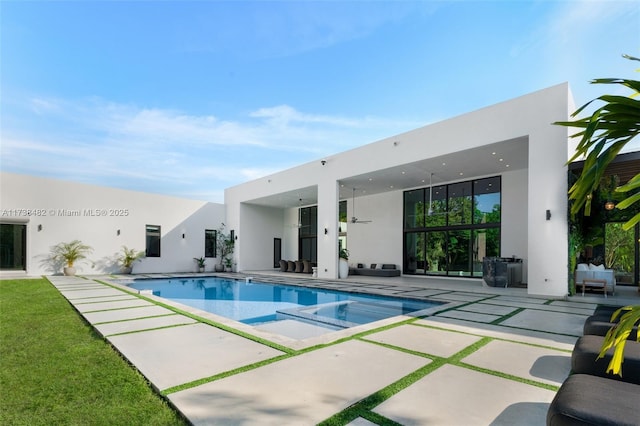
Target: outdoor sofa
[592, 276]
[375, 270]
[591, 396]
[297, 266]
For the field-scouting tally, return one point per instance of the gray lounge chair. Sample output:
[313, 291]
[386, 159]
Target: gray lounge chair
[584, 360]
[592, 400]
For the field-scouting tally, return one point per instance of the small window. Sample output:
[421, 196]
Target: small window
[153, 241]
[210, 248]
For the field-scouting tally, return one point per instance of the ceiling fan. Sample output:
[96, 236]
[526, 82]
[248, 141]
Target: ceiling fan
[299, 225]
[354, 219]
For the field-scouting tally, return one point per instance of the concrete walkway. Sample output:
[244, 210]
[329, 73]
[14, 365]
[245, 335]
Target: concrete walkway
[492, 357]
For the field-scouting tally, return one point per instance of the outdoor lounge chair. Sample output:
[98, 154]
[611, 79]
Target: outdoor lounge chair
[590, 400]
[584, 360]
[599, 324]
[283, 266]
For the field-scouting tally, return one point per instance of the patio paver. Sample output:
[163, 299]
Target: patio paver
[301, 390]
[525, 361]
[458, 396]
[143, 324]
[173, 356]
[426, 340]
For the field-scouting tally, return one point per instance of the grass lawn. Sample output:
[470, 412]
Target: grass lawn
[54, 369]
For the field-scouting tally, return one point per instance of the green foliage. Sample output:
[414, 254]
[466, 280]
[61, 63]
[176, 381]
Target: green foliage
[619, 248]
[605, 132]
[617, 336]
[343, 254]
[69, 253]
[200, 261]
[128, 256]
[61, 372]
[225, 245]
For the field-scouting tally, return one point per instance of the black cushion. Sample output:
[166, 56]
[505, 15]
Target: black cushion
[599, 325]
[388, 266]
[591, 400]
[373, 266]
[584, 360]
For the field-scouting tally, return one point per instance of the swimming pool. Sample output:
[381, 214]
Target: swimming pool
[256, 303]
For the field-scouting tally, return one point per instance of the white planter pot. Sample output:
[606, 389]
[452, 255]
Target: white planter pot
[69, 271]
[343, 268]
[126, 270]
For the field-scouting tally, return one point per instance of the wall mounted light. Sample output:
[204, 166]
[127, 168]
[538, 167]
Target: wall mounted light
[609, 205]
[183, 236]
[548, 214]
[323, 162]
[118, 232]
[326, 231]
[39, 227]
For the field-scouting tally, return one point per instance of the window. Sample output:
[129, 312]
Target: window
[486, 200]
[153, 241]
[210, 247]
[449, 229]
[308, 234]
[13, 250]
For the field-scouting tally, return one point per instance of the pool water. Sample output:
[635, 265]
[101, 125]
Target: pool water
[260, 303]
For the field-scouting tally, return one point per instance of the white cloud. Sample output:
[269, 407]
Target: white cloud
[172, 151]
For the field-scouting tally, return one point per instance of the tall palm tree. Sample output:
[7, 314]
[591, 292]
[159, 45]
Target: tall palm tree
[605, 132]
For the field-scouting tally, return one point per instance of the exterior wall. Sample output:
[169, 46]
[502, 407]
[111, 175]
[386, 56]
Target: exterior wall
[72, 211]
[381, 240]
[513, 238]
[527, 194]
[262, 225]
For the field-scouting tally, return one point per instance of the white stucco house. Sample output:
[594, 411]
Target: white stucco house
[433, 201]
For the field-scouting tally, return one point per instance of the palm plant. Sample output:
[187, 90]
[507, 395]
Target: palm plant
[128, 256]
[70, 253]
[605, 132]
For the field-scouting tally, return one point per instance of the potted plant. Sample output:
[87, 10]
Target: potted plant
[343, 264]
[127, 257]
[69, 254]
[228, 264]
[201, 263]
[225, 246]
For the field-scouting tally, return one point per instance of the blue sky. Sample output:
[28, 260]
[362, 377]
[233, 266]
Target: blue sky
[188, 98]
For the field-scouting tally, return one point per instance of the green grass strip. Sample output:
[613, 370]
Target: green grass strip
[56, 370]
[506, 376]
[215, 377]
[503, 318]
[363, 407]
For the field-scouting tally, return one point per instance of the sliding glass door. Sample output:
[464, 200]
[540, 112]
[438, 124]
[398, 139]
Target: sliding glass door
[13, 246]
[449, 229]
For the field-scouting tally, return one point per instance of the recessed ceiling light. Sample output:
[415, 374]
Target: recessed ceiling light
[423, 181]
[493, 153]
[444, 164]
[461, 174]
[391, 186]
[507, 165]
[370, 179]
[501, 159]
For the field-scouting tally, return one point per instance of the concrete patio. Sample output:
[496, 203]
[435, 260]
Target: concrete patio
[492, 357]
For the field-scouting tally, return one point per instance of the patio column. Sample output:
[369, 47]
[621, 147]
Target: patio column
[328, 197]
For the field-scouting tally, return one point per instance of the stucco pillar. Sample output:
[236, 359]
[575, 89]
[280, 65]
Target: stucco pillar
[328, 197]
